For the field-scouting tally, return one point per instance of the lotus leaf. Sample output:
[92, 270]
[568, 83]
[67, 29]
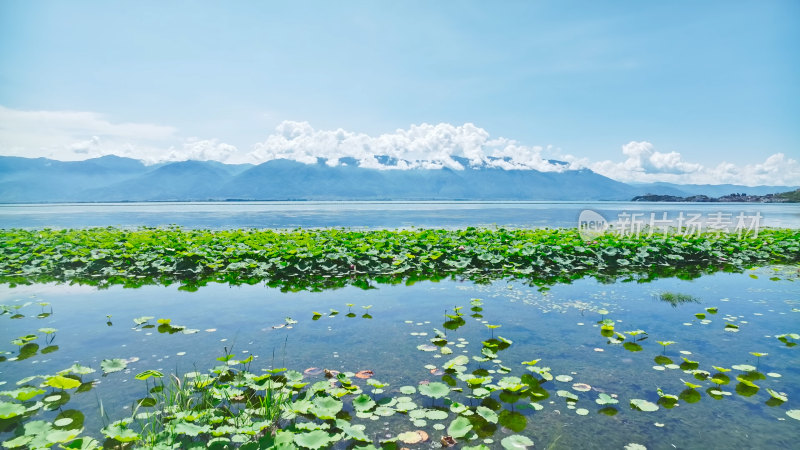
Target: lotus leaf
[113, 365]
[434, 390]
[516, 442]
[643, 405]
[459, 427]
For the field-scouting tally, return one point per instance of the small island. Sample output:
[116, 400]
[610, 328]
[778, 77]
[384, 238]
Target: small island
[783, 197]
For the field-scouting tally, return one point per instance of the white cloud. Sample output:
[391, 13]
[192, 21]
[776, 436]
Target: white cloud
[645, 164]
[75, 135]
[419, 146]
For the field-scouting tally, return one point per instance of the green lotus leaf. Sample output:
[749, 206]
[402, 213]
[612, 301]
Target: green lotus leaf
[113, 365]
[605, 399]
[24, 393]
[408, 390]
[643, 405]
[84, 443]
[516, 442]
[313, 439]
[355, 432]
[793, 413]
[9, 410]
[70, 419]
[459, 360]
[62, 382]
[149, 373]
[120, 432]
[190, 429]
[434, 390]
[489, 415]
[568, 395]
[143, 319]
[778, 395]
[363, 403]
[459, 427]
[326, 407]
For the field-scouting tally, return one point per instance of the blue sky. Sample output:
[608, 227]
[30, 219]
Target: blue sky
[641, 91]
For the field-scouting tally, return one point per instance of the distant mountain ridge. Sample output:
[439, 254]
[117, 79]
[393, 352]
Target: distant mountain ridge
[118, 179]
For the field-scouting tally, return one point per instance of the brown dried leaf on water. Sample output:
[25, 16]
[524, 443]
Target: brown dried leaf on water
[437, 372]
[448, 441]
[331, 373]
[312, 371]
[364, 374]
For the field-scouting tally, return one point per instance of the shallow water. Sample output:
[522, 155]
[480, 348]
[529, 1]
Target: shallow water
[280, 215]
[559, 326]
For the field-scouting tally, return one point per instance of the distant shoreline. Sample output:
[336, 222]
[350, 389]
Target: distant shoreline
[783, 197]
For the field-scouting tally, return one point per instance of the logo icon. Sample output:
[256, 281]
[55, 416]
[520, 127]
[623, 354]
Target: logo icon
[591, 225]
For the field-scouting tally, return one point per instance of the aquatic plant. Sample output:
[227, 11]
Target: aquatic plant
[313, 259]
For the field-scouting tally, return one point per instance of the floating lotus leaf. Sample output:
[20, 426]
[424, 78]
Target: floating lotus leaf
[408, 390]
[363, 403]
[326, 407]
[119, 431]
[434, 390]
[605, 399]
[581, 387]
[62, 382]
[113, 365]
[568, 395]
[489, 415]
[142, 320]
[643, 405]
[793, 413]
[70, 419]
[563, 378]
[9, 410]
[313, 439]
[409, 437]
[778, 395]
[24, 393]
[435, 414]
[427, 347]
[459, 360]
[459, 427]
[690, 385]
[744, 367]
[516, 442]
[149, 373]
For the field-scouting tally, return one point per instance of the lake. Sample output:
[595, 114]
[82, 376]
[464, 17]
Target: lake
[393, 339]
[389, 215]
[611, 355]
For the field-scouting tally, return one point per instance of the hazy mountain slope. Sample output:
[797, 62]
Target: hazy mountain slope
[186, 180]
[112, 178]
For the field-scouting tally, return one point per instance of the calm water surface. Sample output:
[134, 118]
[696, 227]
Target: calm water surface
[559, 326]
[366, 214]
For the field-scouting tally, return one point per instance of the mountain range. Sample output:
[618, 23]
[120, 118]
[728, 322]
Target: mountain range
[118, 179]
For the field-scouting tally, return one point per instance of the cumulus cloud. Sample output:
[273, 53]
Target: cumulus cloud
[645, 164]
[76, 135]
[420, 146]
